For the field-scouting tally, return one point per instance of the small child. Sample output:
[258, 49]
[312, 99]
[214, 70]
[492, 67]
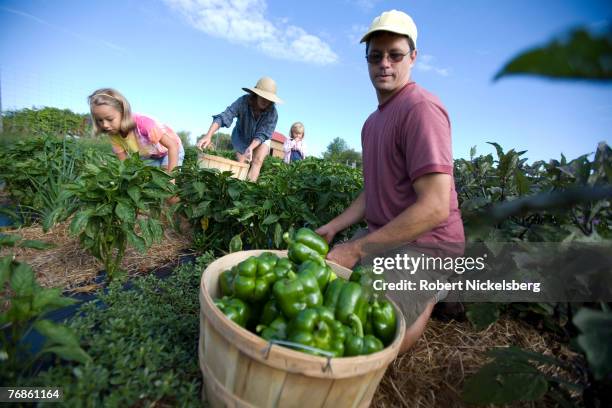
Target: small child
[295, 148]
[130, 132]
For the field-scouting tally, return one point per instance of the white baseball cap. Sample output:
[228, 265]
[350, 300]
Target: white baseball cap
[393, 21]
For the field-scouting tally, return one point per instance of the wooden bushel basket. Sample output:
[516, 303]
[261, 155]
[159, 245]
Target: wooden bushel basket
[241, 369]
[208, 161]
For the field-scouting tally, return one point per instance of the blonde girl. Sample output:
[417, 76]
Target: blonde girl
[130, 132]
[294, 148]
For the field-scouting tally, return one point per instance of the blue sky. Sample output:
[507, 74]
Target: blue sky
[182, 61]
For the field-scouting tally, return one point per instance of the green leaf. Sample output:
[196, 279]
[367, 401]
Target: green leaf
[50, 299]
[134, 193]
[482, 315]
[9, 240]
[503, 382]
[498, 148]
[270, 219]
[522, 183]
[233, 192]
[70, 353]
[577, 55]
[246, 216]
[125, 212]
[278, 235]
[5, 270]
[136, 241]
[22, 280]
[57, 333]
[145, 232]
[91, 168]
[201, 209]
[51, 218]
[79, 221]
[596, 339]
[35, 244]
[200, 188]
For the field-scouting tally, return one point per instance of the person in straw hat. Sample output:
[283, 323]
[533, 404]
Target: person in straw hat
[409, 199]
[257, 117]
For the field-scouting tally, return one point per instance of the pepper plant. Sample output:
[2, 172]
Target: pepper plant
[121, 202]
[28, 303]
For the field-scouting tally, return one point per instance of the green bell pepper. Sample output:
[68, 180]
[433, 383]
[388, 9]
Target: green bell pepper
[356, 343]
[270, 311]
[332, 294]
[383, 320]
[316, 327]
[306, 244]
[289, 294]
[226, 282]
[366, 277]
[321, 272]
[351, 300]
[235, 309]
[276, 329]
[254, 277]
[283, 267]
[312, 293]
[295, 294]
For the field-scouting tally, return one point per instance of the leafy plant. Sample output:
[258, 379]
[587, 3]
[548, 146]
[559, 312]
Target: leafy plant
[46, 121]
[142, 355]
[310, 192]
[117, 199]
[28, 303]
[35, 170]
[512, 376]
[578, 54]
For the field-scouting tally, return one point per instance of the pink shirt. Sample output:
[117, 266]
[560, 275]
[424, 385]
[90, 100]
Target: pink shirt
[145, 138]
[405, 138]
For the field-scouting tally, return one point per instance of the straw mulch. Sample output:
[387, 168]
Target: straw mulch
[432, 373]
[69, 266]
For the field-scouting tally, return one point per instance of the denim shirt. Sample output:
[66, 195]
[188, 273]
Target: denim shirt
[247, 127]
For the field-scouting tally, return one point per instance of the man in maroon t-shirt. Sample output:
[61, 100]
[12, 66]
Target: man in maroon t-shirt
[409, 194]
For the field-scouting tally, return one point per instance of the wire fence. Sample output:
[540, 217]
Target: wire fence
[37, 102]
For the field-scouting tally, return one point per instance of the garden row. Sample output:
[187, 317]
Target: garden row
[114, 204]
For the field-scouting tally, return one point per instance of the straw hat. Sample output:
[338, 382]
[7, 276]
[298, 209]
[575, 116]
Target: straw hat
[266, 88]
[393, 21]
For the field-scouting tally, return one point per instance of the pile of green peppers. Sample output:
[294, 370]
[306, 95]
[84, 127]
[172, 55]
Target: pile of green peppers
[299, 299]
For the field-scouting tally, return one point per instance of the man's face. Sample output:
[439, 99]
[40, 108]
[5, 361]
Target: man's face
[388, 76]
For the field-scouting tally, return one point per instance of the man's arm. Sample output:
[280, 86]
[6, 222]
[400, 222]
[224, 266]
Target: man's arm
[352, 215]
[430, 209]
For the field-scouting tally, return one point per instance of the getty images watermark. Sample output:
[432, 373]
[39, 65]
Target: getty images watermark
[410, 264]
[498, 272]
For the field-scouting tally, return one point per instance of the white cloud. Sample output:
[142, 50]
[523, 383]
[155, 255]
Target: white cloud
[244, 22]
[356, 32]
[425, 63]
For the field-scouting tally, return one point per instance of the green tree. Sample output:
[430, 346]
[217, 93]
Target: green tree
[184, 136]
[339, 152]
[223, 141]
[47, 121]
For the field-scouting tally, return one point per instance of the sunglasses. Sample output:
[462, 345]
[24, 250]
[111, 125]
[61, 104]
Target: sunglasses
[376, 57]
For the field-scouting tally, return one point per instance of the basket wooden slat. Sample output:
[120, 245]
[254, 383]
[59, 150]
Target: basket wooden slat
[208, 161]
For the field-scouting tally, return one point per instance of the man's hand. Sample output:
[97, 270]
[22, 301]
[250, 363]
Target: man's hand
[204, 142]
[347, 254]
[326, 232]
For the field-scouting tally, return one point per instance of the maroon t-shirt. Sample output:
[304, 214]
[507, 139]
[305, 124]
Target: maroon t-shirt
[405, 138]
